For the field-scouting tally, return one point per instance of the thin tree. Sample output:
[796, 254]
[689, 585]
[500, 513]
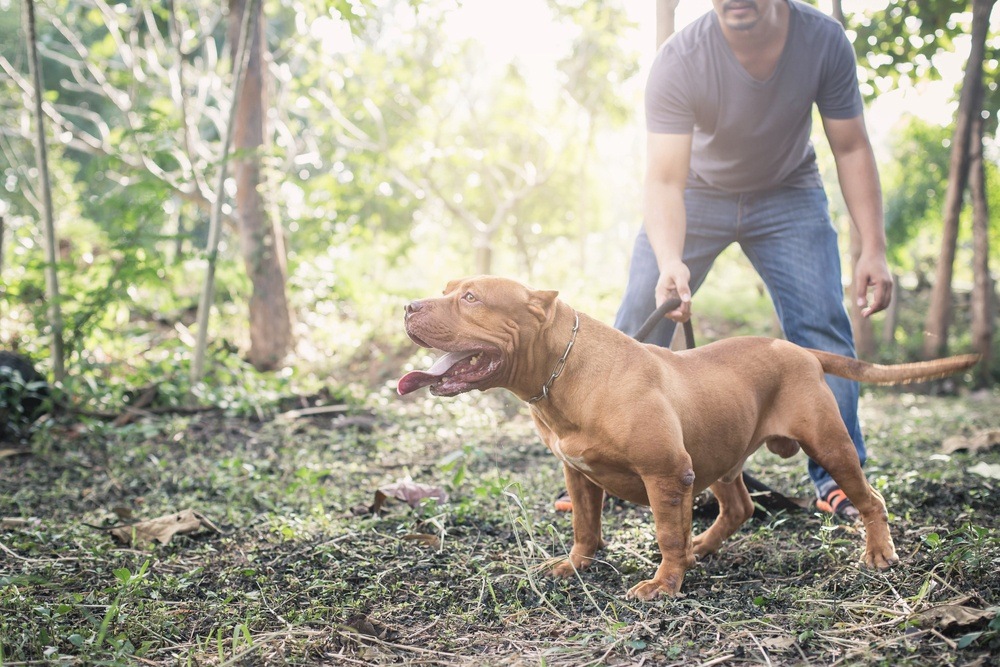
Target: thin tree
[666, 11]
[939, 314]
[45, 188]
[260, 237]
[215, 221]
[982, 288]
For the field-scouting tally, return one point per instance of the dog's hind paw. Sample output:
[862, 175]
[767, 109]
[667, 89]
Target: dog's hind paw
[702, 546]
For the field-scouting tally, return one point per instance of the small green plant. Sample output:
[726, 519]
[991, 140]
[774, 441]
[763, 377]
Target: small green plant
[24, 396]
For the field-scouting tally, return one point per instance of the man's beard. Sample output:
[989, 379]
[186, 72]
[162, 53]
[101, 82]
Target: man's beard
[744, 23]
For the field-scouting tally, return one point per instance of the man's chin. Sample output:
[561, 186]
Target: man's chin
[742, 25]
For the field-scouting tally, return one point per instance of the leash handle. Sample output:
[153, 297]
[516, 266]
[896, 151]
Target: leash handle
[654, 319]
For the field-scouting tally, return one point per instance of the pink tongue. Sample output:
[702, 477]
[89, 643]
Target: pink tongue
[416, 379]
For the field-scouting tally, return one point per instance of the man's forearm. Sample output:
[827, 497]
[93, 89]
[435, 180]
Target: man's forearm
[862, 192]
[863, 195]
[665, 221]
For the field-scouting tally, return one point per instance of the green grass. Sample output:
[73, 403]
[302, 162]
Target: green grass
[297, 578]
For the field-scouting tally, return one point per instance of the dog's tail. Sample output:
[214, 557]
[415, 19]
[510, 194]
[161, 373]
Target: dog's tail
[862, 371]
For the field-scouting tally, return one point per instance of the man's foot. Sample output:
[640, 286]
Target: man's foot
[835, 502]
[563, 503]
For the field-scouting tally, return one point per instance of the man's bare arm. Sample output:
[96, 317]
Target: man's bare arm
[862, 192]
[668, 159]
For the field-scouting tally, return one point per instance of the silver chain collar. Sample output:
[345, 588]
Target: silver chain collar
[559, 364]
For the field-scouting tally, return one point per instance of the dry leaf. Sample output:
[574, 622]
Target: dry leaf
[978, 442]
[363, 625]
[778, 643]
[360, 510]
[948, 616]
[991, 470]
[9, 522]
[432, 541]
[123, 513]
[163, 528]
[408, 491]
[4, 453]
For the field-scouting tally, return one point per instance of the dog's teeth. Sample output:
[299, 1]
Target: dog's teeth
[474, 360]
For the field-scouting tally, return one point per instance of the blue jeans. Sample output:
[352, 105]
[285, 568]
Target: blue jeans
[788, 237]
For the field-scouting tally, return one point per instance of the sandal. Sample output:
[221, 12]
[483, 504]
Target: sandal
[563, 503]
[836, 502]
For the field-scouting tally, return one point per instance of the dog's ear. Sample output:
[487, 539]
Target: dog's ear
[542, 304]
[451, 286]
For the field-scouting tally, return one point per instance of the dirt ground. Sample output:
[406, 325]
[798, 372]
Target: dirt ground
[290, 566]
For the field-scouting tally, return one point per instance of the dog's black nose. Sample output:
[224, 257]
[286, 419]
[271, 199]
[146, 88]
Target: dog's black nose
[413, 307]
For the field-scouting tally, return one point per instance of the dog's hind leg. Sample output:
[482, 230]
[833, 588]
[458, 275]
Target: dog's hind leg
[735, 507]
[827, 443]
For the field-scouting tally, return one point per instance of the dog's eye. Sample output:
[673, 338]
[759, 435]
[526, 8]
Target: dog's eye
[470, 297]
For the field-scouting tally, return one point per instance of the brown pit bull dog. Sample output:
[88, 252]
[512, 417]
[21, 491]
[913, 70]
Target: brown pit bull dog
[649, 425]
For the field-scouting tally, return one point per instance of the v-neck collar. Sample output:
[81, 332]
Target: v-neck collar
[792, 21]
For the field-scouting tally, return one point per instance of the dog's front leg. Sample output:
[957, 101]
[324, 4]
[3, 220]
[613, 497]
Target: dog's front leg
[670, 498]
[587, 499]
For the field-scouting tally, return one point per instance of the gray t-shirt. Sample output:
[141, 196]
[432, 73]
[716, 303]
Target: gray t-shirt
[751, 135]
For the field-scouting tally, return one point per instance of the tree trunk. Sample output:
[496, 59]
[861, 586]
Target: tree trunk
[484, 254]
[982, 288]
[837, 12]
[215, 221]
[891, 320]
[45, 190]
[665, 23]
[270, 321]
[969, 106]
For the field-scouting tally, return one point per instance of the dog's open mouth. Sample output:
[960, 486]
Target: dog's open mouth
[453, 373]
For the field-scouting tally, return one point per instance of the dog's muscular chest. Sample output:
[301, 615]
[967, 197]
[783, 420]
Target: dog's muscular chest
[614, 476]
[573, 455]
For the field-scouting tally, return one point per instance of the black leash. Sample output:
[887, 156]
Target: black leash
[654, 319]
[775, 499]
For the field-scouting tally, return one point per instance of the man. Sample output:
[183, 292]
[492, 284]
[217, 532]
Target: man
[729, 159]
[729, 114]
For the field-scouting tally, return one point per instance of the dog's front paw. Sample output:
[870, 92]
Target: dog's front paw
[568, 566]
[654, 588]
[563, 569]
[881, 557]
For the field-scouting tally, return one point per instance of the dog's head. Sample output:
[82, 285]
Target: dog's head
[480, 324]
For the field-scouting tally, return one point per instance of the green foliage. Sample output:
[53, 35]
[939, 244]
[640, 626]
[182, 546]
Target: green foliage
[914, 182]
[298, 577]
[600, 63]
[899, 43]
[397, 152]
[24, 396]
[900, 40]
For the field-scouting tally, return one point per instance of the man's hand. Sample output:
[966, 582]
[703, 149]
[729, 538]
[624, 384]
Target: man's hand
[673, 282]
[872, 271]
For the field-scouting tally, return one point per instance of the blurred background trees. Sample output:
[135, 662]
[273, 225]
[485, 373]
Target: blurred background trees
[383, 149]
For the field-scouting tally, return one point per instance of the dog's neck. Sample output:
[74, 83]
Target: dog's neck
[559, 365]
[540, 355]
